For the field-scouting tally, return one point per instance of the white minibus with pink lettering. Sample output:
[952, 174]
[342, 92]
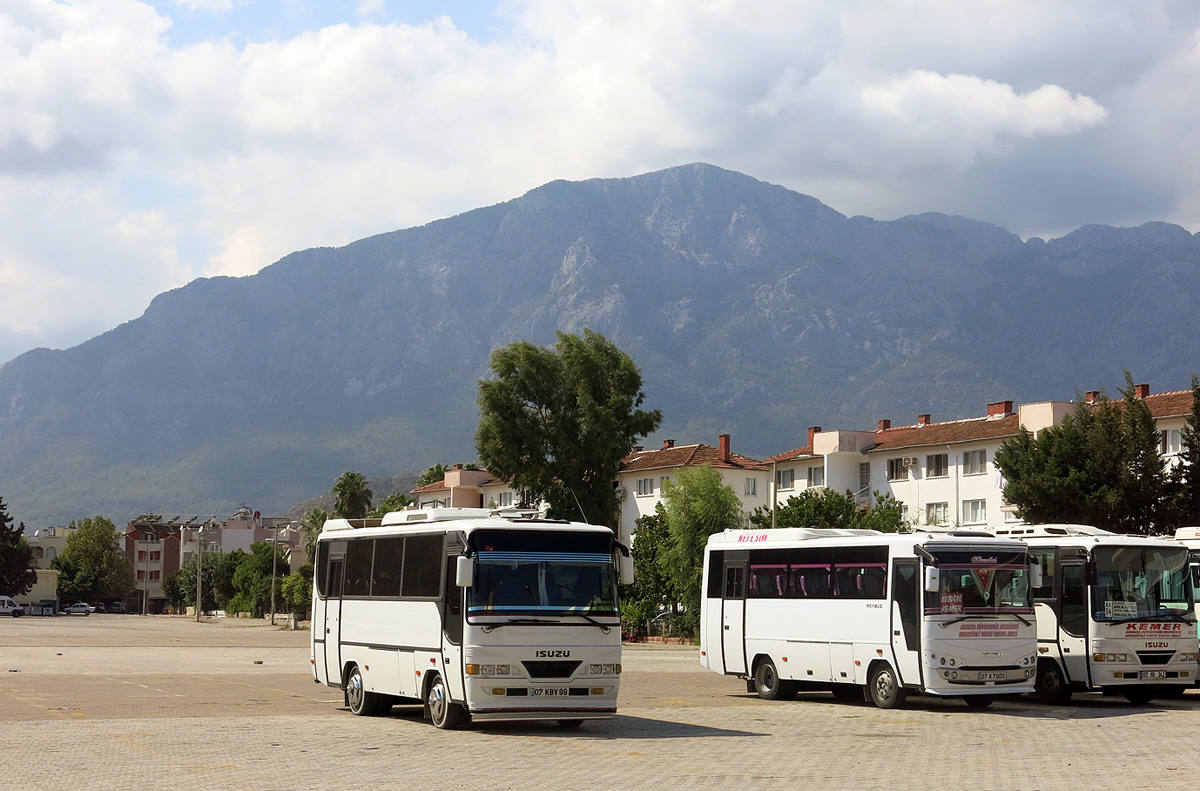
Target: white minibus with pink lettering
[867, 614]
[1114, 613]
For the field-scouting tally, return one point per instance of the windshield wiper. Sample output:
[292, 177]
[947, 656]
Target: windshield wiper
[603, 626]
[985, 616]
[514, 622]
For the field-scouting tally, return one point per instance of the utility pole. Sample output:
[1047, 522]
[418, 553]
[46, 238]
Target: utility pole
[274, 562]
[199, 567]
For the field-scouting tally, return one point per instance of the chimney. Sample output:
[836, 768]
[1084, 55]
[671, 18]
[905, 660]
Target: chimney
[1141, 391]
[812, 431]
[884, 425]
[457, 467]
[923, 420]
[999, 408]
[723, 448]
[638, 449]
[668, 443]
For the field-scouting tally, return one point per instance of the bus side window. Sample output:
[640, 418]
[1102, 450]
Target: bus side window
[733, 581]
[716, 574]
[1074, 615]
[905, 592]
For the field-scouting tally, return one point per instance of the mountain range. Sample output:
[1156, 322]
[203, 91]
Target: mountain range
[751, 310]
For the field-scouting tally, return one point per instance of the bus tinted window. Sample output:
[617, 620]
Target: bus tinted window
[385, 576]
[358, 568]
[1048, 558]
[768, 574]
[716, 570]
[322, 568]
[808, 573]
[422, 566]
[860, 572]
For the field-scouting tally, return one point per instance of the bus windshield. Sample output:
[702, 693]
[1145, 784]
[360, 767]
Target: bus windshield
[532, 574]
[980, 583]
[1142, 583]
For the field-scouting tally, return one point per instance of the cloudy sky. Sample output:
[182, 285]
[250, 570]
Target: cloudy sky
[146, 143]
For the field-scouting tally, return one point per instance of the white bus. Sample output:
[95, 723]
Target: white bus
[863, 613]
[1114, 613]
[1190, 538]
[471, 614]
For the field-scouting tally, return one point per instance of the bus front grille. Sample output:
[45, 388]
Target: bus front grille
[550, 669]
[1155, 657]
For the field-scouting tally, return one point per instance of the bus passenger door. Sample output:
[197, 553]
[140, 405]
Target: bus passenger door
[733, 613]
[333, 618]
[906, 619]
[452, 628]
[1073, 618]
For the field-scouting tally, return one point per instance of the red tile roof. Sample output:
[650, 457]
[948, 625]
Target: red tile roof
[790, 455]
[687, 456]
[955, 431]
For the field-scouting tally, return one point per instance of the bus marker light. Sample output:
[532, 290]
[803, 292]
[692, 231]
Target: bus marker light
[785, 659]
[366, 667]
[879, 651]
[597, 690]
[858, 663]
[472, 670]
[703, 653]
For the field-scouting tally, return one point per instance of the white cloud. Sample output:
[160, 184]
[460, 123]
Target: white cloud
[129, 164]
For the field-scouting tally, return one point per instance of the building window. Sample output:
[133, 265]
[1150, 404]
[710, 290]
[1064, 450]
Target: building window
[816, 476]
[153, 575]
[974, 512]
[937, 466]
[752, 487]
[937, 513]
[1170, 441]
[897, 469]
[141, 556]
[155, 557]
[663, 481]
[506, 499]
[975, 462]
[141, 574]
[645, 487]
[785, 479]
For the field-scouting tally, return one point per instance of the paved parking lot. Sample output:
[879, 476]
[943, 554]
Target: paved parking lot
[158, 702]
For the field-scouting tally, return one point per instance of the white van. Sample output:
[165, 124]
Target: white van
[10, 607]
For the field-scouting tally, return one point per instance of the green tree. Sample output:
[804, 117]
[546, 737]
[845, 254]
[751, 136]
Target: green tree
[311, 525]
[557, 422]
[219, 568]
[252, 580]
[296, 591]
[652, 589]
[351, 496]
[697, 504]
[1185, 476]
[93, 565]
[176, 586]
[17, 575]
[393, 502]
[211, 572]
[827, 508]
[1100, 466]
[434, 474]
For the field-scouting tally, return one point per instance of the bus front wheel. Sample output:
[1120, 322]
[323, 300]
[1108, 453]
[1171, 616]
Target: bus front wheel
[885, 689]
[445, 713]
[769, 685]
[361, 702]
[1050, 687]
[1140, 695]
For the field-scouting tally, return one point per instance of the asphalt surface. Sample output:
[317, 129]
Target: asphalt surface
[160, 702]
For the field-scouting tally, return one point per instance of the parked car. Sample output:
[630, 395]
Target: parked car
[10, 607]
[116, 606]
[78, 608]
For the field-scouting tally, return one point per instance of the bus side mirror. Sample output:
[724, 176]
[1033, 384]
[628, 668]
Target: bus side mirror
[625, 564]
[1035, 574]
[933, 580]
[464, 572]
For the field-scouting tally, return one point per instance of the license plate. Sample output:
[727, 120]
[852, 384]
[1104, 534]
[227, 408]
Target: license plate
[1153, 674]
[999, 675]
[548, 692]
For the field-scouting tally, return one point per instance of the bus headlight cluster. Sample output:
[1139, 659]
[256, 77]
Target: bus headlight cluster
[1189, 657]
[489, 670]
[1110, 657]
[604, 670]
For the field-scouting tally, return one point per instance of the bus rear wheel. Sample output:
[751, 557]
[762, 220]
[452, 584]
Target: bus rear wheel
[445, 713]
[884, 688]
[769, 685]
[570, 723]
[361, 702]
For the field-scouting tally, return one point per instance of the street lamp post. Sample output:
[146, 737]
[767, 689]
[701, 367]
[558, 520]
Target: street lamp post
[199, 567]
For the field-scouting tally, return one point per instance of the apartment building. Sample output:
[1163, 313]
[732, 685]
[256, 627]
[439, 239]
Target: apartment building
[466, 488]
[639, 484]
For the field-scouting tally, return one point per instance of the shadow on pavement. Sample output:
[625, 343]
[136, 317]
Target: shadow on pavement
[621, 726]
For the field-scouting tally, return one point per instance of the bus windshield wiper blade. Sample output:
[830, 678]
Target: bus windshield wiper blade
[603, 627]
[487, 627]
[986, 616]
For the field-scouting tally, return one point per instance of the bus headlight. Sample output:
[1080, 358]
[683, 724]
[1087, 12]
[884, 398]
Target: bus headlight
[488, 670]
[1110, 657]
[605, 670]
[1188, 657]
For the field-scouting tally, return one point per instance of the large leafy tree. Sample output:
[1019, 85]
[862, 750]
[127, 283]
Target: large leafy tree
[432, 474]
[827, 508]
[1185, 476]
[252, 580]
[17, 575]
[310, 530]
[93, 565]
[351, 496]
[557, 422]
[393, 502]
[1100, 466]
[697, 504]
[652, 589]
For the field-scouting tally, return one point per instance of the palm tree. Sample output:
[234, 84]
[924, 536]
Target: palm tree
[310, 528]
[351, 497]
